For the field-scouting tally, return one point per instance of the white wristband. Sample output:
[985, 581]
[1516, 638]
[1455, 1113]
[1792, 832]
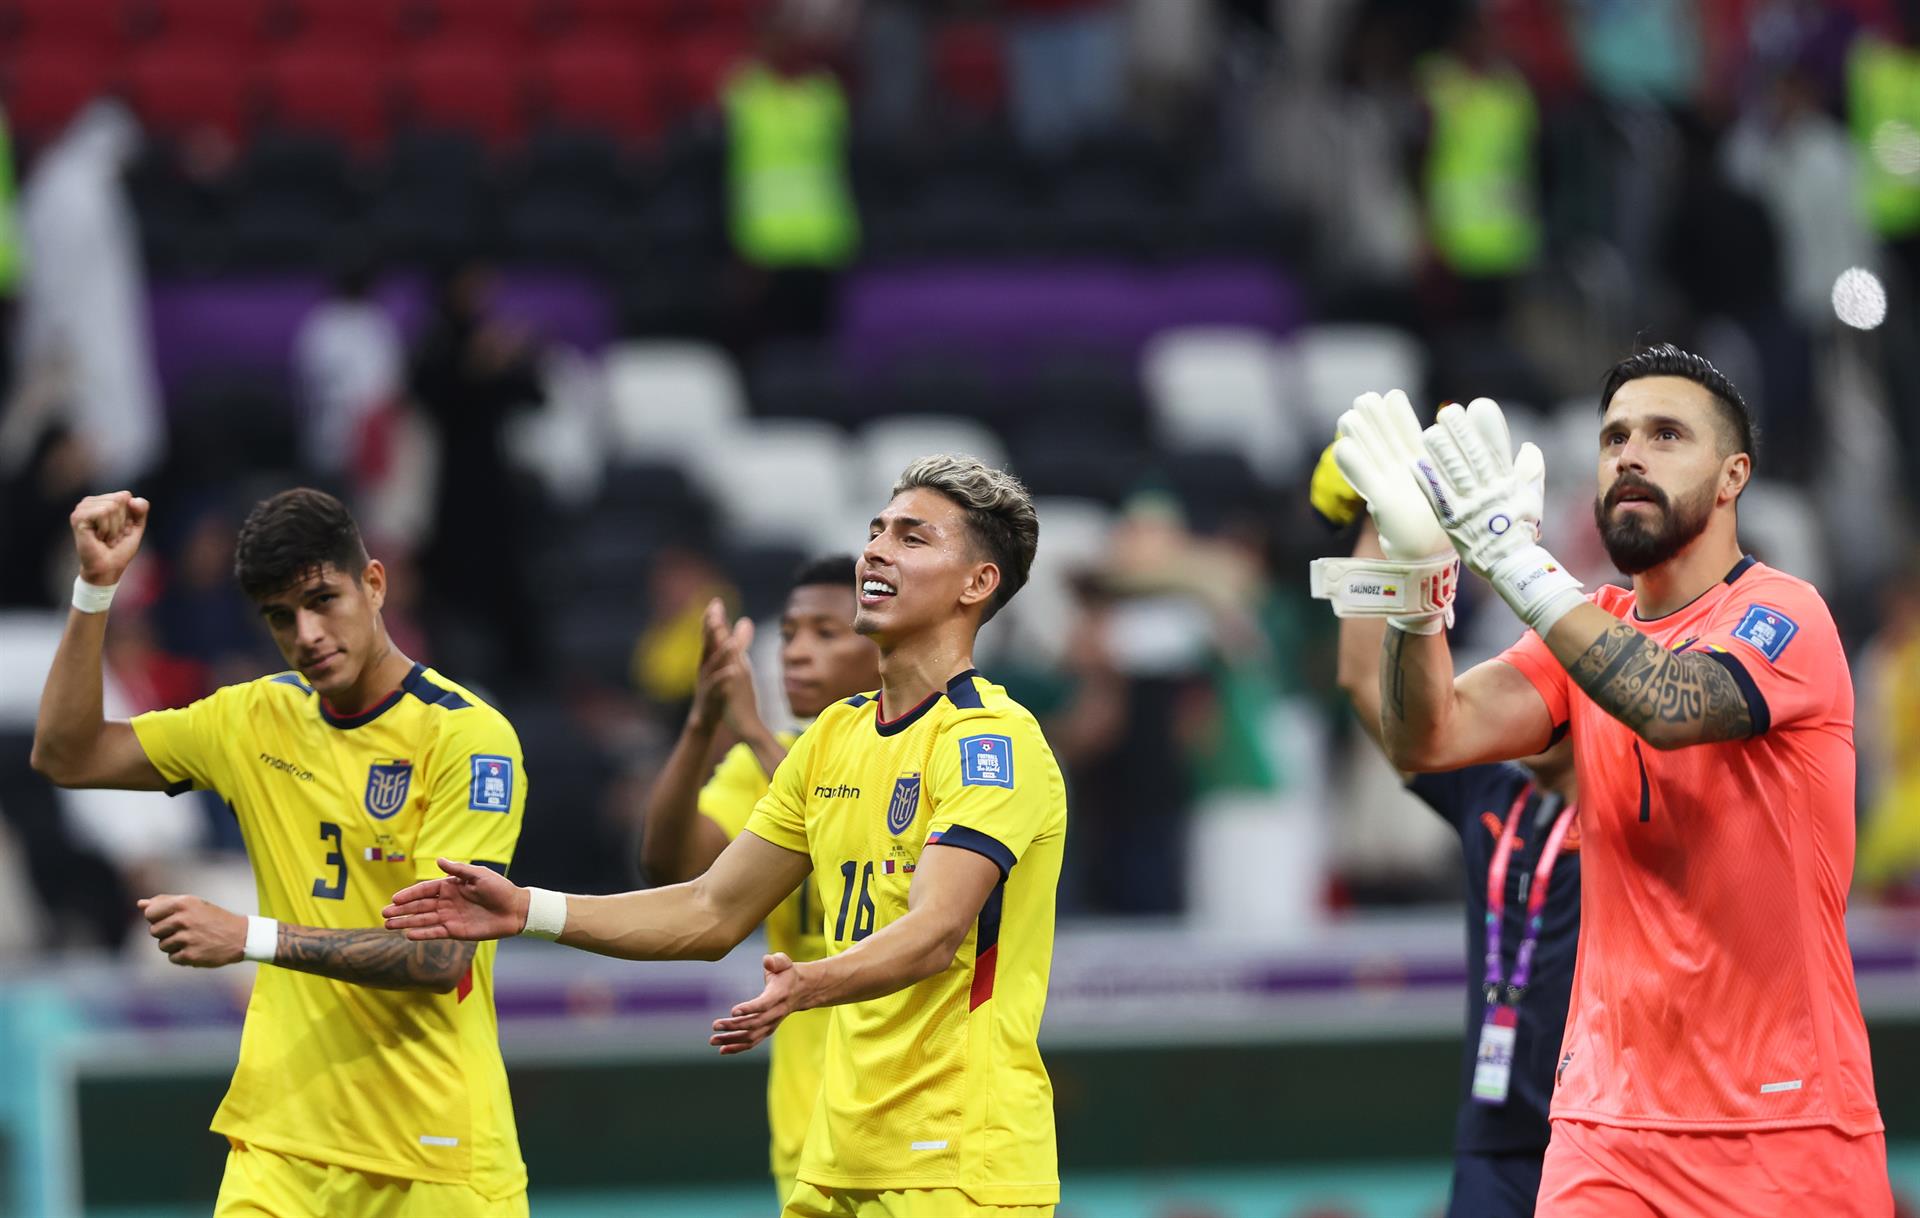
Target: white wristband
[1538, 588]
[263, 939]
[546, 913]
[92, 598]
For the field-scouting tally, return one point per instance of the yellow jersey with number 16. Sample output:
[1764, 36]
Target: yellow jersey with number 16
[939, 1085]
[793, 1071]
[339, 812]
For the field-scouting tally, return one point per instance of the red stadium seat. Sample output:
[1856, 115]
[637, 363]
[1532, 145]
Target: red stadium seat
[375, 24]
[969, 66]
[238, 24]
[738, 17]
[601, 84]
[509, 23]
[182, 88]
[700, 67]
[473, 87]
[331, 89]
[47, 83]
[617, 18]
[100, 24]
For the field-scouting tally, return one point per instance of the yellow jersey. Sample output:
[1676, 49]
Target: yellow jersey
[939, 1085]
[793, 1074]
[339, 812]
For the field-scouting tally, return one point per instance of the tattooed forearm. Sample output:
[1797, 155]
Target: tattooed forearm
[1393, 679]
[383, 959]
[1669, 699]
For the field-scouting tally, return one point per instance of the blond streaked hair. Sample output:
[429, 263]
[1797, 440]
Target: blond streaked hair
[999, 512]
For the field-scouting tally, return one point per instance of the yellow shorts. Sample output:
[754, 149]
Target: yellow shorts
[809, 1201]
[261, 1183]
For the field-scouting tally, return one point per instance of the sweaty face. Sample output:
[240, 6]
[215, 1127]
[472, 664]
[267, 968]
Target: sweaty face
[326, 624]
[1662, 471]
[919, 566]
[822, 659]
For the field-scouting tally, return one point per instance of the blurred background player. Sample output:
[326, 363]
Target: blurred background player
[934, 1102]
[370, 1073]
[1715, 1048]
[1520, 841]
[689, 822]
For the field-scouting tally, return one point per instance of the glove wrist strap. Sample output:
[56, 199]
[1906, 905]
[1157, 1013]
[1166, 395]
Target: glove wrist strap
[1417, 596]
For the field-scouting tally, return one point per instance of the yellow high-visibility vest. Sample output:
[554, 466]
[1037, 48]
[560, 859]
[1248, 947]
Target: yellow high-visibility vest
[1883, 112]
[787, 136]
[1480, 171]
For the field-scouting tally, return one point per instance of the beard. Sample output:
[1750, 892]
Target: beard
[1636, 544]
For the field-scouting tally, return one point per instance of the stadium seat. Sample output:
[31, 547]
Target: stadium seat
[969, 68]
[509, 24]
[887, 445]
[376, 25]
[558, 222]
[238, 25]
[699, 67]
[182, 88]
[1215, 486]
[1336, 363]
[781, 482]
[50, 81]
[599, 83]
[472, 87]
[98, 25]
[1220, 387]
[668, 400]
[799, 378]
[616, 18]
[1074, 461]
[332, 89]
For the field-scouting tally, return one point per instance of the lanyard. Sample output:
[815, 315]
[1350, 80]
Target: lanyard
[1536, 900]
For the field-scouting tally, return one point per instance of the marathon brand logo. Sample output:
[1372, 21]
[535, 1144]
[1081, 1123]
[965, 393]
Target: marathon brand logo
[843, 791]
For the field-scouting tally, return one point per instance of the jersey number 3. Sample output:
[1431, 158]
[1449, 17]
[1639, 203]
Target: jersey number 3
[330, 832]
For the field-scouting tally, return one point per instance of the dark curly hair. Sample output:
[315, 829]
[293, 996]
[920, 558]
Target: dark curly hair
[292, 534]
[1669, 360]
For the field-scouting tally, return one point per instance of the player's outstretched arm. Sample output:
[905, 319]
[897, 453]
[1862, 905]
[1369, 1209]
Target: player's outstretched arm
[1431, 720]
[1670, 699]
[74, 743]
[702, 919]
[195, 933]
[949, 889]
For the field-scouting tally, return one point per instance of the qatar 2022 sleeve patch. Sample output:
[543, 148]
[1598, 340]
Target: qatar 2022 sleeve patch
[492, 788]
[986, 761]
[1767, 630]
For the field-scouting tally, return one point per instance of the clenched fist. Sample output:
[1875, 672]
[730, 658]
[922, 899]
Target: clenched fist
[106, 534]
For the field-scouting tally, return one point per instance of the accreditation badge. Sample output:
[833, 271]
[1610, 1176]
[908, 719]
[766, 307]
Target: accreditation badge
[1493, 1068]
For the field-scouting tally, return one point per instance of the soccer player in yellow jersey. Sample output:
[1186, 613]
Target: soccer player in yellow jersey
[822, 661]
[370, 1083]
[935, 816]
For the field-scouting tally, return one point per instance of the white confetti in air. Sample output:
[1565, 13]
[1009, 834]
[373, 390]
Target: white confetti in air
[1858, 298]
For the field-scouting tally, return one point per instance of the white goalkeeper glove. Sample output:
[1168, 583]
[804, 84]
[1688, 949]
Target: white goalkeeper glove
[1489, 499]
[1414, 585]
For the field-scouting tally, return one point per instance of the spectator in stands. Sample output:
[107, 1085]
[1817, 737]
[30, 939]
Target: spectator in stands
[35, 499]
[666, 657]
[83, 319]
[1889, 718]
[1067, 70]
[1883, 111]
[1481, 173]
[470, 374]
[791, 209]
[349, 366]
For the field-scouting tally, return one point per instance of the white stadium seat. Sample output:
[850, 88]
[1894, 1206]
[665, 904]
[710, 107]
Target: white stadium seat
[1222, 387]
[667, 399]
[1336, 363]
[779, 482]
[888, 445]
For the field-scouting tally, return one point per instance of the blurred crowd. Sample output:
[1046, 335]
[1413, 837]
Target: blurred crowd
[1517, 192]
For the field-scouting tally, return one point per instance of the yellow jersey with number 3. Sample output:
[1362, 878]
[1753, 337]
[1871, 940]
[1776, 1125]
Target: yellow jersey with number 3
[338, 813]
[939, 1085]
[793, 1072]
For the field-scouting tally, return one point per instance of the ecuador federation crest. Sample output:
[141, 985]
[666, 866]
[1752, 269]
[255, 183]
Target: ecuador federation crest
[906, 801]
[387, 784]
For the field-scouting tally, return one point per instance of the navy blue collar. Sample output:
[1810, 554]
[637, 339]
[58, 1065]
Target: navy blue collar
[959, 691]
